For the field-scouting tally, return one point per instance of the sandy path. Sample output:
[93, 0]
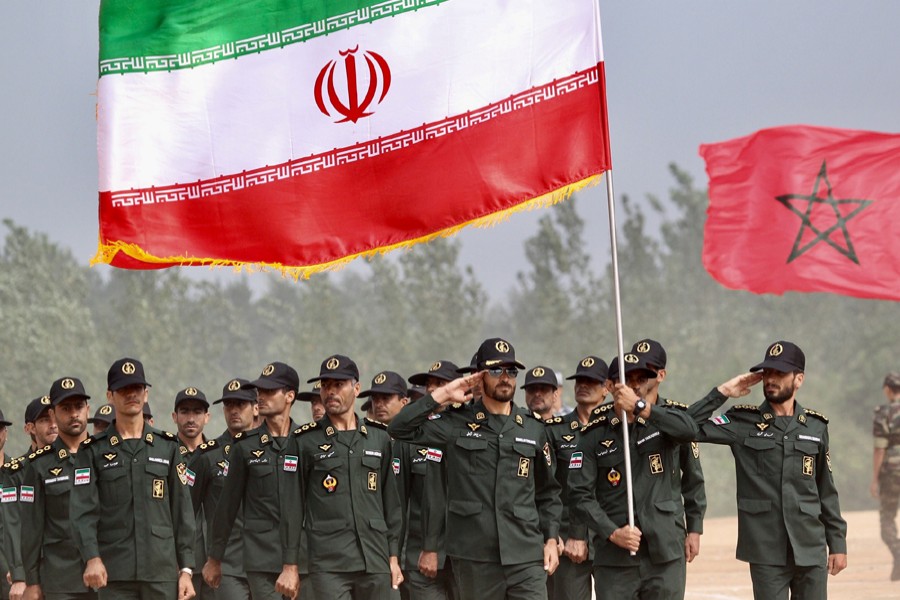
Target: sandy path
[717, 575]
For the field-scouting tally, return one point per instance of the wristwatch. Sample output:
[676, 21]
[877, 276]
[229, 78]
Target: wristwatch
[190, 572]
[639, 407]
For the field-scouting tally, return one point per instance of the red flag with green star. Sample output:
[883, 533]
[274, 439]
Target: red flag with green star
[808, 209]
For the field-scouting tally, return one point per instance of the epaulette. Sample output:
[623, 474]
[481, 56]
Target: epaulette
[14, 466]
[745, 407]
[674, 404]
[303, 428]
[537, 416]
[553, 420]
[377, 424]
[818, 415]
[456, 406]
[38, 452]
[602, 408]
[593, 423]
[6, 465]
[207, 446]
[87, 441]
[168, 435]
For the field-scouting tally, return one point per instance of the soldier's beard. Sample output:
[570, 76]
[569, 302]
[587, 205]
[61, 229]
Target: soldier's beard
[505, 395]
[782, 396]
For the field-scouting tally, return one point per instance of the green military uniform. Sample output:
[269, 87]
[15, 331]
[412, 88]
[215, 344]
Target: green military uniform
[207, 471]
[422, 497]
[4, 563]
[571, 581]
[130, 506]
[48, 556]
[503, 500]
[598, 497]
[343, 493]
[11, 484]
[252, 486]
[886, 434]
[788, 510]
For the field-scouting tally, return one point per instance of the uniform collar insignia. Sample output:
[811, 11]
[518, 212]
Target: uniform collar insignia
[264, 438]
[480, 416]
[614, 421]
[363, 430]
[149, 438]
[63, 453]
[113, 441]
[641, 421]
[183, 449]
[519, 419]
[575, 424]
[768, 416]
[802, 419]
[329, 431]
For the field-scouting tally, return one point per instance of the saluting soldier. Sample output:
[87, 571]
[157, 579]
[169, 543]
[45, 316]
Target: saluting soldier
[41, 428]
[53, 566]
[427, 573]
[886, 466]
[255, 458]
[598, 494]
[207, 471]
[572, 580]
[344, 495]
[688, 478]
[790, 527]
[503, 504]
[130, 507]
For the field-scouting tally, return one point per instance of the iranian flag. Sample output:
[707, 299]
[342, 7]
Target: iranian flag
[297, 135]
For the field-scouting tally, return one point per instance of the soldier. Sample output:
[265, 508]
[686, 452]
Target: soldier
[343, 495]
[427, 573]
[688, 478]
[130, 507]
[4, 565]
[503, 504]
[105, 415]
[41, 428]
[646, 560]
[790, 528]
[387, 395]
[572, 580]
[314, 397]
[52, 565]
[886, 466]
[541, 391]
[206, 478]
[255, 459]
[190, 415]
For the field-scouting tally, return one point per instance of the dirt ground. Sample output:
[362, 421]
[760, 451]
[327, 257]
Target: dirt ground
[717, 575]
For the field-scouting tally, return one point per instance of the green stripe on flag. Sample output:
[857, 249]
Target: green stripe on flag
[141, 36]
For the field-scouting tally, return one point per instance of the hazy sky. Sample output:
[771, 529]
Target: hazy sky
[678, 73]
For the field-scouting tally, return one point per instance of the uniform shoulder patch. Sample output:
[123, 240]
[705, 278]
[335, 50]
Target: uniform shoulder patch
[457, 406]
[674, 404]
[746, 407]
[377, 424]
[245, 435]
[816, 414]
[594, 423]
[602, 408]
[207, 446]
[306, 427]
[553, 420]
[88, 440]
[168, 435]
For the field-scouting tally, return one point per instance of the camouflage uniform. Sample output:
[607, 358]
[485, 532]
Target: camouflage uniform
[886, 431]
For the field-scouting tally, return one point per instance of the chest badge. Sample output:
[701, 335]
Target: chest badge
[258, 453]
[524, 467]
[110, 456]
[607, 443]
[372, 481]
[159, 488]
[329, 483]
[55, 472]
[325, 447]
[474, 426]
[568, 438]
[614, 477]
[808, 466]
[656, 464]
[762, 426]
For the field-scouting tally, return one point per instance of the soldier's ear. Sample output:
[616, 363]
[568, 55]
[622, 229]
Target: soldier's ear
[661, 375]
[798, 379]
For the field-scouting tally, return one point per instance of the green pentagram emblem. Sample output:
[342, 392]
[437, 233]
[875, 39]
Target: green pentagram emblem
[823, 235]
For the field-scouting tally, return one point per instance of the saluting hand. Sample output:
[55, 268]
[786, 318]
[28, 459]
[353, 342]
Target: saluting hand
[738, 387]
[458, 390]
[626, 537]
[94, 574]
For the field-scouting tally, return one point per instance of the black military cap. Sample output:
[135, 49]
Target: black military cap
[540, 376]
[3, 421]
[125, 372]
[276, 375]
[237, 389]
[145, 410]
[337, 367]
[315, 392]
[36, 408]
[67, 387]
[441, 369]
[471, 368]
[638, 362]
[386, 382]
[104, 414]
[591, 367]
[191, 393]
[496, 352]
[651, 352]
[782, 356]
[416, 392]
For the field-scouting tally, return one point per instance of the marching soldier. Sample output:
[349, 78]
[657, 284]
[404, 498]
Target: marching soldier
[105, 415]
[541, 391]
[314, 397]
[52, 565]
[886, 466]
[503, 504]
[344, 495]
[790, 527]
[572, 580]
[130, 507]
[255, 459]
[206, 478]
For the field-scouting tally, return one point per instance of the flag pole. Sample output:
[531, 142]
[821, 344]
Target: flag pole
[620, 345]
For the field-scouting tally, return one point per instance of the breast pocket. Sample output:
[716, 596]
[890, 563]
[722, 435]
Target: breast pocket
[157, 476]
[524, 456]
[764, 453]
[807, 456]
[472, 453]
[113, 486]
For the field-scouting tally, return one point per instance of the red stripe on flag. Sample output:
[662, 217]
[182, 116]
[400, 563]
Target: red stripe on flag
[406, 194]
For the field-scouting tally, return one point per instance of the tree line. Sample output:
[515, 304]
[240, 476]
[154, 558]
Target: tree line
[58, 317]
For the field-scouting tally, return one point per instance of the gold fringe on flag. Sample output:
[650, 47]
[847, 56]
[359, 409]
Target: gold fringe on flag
[107, 251]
